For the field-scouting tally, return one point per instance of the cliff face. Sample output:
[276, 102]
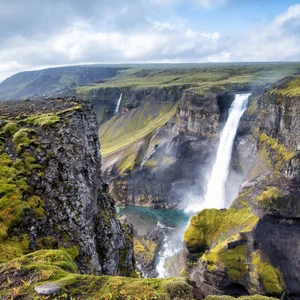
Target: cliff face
[158, 164]
[52, 151]
[252, 246]
[105, 99]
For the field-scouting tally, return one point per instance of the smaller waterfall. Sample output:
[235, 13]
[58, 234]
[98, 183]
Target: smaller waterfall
[118, 104]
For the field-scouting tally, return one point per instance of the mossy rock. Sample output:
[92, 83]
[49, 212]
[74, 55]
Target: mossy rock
[274, 154]
[271, 277]
[145, 250]
[57, 266]
[210, 225]
[9, 129]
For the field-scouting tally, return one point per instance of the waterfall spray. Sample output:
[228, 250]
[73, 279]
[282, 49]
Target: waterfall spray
[215, 192]
[118, 104]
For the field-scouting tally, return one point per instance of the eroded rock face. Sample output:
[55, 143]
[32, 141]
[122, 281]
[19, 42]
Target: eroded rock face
[198, 114]
[252, 247]
[77, 210]
[169, 161]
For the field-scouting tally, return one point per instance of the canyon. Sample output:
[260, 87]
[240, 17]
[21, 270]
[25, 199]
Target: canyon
[158, 146]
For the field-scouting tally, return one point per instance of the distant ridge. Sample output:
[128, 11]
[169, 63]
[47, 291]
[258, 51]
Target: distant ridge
[53, 81]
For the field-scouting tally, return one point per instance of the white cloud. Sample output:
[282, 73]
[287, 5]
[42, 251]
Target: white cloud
[171, 40]
[277, 41]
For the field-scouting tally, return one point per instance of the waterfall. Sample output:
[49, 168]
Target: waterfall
[215, 192]
[118, 104]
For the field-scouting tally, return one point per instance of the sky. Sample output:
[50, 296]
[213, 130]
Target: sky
[36, 34]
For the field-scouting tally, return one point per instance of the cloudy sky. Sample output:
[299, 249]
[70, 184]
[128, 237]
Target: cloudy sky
[42, 33]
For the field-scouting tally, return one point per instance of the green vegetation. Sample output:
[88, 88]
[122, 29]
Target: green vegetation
[272, 193]
[199, 77]
[271, 277]
[16, 197]
[23, 139]
[273, 153]
[145, 249]
[235, 262]
[291, 89]
[121, 131]
[57, 266]
[13, 202]
[42, 120]
[9, 129]
[212, 226]
[253, 107]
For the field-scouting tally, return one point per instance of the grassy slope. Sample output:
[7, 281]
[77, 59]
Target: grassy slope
[200, 77]
[123, 130]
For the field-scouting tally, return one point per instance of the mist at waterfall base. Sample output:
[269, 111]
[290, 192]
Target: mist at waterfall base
[216, 178]
[218, 194]
[170, 223]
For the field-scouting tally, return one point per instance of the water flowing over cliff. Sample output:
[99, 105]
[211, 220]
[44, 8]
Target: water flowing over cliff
[215, 190]
[251, 246]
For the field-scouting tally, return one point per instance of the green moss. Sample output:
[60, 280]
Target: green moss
[57, 266]
[10, 129]
[30, 162]
[42, 120]
[291, 89]
[37, 206]
[271, 277]
[145, 250]
[211, 226]
[72, 251]
[13, 247]
[23, 139]
[253, 107]
[13, 203]
[235, 262]
[272, 153]
[271, 194]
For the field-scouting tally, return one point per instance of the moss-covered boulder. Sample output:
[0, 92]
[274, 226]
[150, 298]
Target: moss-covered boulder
[19, 277]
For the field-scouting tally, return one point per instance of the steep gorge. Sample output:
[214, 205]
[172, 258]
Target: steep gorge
[251, 247]
[161, 148]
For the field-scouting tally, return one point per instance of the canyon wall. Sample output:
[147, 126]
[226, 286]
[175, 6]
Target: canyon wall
[252, 246]
[53, 196]
[158, 166]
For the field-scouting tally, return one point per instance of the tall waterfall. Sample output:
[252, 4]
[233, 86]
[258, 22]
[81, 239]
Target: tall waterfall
[215, 192]
[118, 104]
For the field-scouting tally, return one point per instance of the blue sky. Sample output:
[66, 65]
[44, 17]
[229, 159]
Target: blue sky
[36, 34]
[232, 16]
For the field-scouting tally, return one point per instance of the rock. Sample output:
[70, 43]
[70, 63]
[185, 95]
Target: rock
[70, 207]
[261, 258]
[167, 167]
[47, 289]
